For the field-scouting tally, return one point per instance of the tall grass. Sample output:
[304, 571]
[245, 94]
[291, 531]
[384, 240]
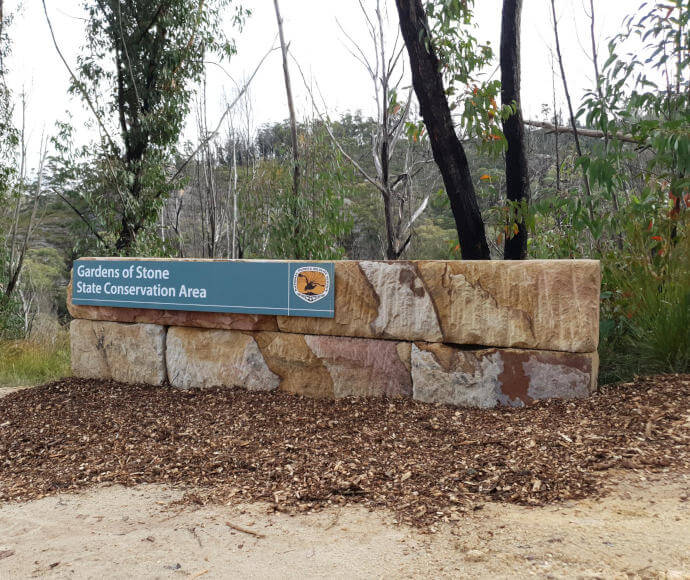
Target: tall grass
[645, 325]
[41, 358]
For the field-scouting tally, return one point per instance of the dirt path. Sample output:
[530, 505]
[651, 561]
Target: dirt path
[7, 390]
[641, 529]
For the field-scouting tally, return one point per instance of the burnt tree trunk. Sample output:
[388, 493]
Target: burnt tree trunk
[517, 171]
[447, 149]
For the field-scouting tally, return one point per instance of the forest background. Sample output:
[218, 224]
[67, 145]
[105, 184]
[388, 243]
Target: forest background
[159, 157]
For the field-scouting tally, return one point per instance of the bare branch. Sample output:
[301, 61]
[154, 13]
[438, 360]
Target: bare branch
[417, 213]
[593, 133]
[81, 216]
[213, 133]
[79, 85]
[327, 123]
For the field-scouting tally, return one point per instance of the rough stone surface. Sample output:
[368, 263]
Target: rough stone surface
[364, 367]
[441, 374]
[356, 307]
[130, 353]
[490, 377]
[405, 309]
[313, 366]
[536, 304]
[205, 358]
[300, 370]
[540, 304]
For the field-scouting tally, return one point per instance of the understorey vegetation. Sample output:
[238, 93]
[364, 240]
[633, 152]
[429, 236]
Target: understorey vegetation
[447, 168]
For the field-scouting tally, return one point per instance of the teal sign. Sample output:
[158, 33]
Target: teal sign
[251, 287]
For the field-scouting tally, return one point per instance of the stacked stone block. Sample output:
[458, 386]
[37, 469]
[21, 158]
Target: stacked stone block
[462, 333]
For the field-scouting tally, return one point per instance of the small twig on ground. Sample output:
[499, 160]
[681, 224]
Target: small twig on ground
[245, 530]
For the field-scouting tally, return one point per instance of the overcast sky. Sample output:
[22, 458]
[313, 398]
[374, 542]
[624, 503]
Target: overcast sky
[318, 45]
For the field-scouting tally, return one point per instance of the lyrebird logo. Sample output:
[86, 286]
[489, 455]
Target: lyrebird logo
[311, 283]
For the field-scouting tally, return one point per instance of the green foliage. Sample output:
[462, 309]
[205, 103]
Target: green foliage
[139, 67]
[268, 213]
[317, 214]
[462, 58]
[44, 275]
[644, 94]
[432, 242]
[10, 322]
[645, 318]
[8, 132]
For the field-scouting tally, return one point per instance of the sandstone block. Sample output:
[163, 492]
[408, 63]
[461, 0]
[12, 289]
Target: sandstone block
[313, 366]
[362, 367]
[356, 307]
[204, 358]
[331, 366]
[300, 370]
[490, 377]
[375, 300]
[131, 353]
[539, 304]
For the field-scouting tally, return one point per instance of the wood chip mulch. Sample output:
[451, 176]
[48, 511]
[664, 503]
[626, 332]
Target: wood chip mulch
[426, 463]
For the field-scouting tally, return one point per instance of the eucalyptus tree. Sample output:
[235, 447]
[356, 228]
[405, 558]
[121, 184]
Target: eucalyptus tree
[137, 73]
[438, 42]
[517, 171]
[8, 133]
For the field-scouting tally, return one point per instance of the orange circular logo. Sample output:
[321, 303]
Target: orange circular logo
[311, 283]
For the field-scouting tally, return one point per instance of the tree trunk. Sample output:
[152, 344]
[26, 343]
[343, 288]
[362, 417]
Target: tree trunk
[293, 132]
[517, 171]
[573, 125]
[445, 145]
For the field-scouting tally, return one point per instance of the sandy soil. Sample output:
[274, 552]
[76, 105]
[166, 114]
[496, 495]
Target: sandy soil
[641, 529]
[4, 390]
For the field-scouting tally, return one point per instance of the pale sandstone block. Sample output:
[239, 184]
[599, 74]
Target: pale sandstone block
[313, 366]
[490, 377]
[130, 353]
[205, 358]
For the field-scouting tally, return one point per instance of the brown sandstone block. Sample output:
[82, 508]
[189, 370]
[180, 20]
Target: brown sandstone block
[362, 367]
[300, 370]
[330, 366]
[130, 353]
[490, 377]
[540, 304]
[313, 366]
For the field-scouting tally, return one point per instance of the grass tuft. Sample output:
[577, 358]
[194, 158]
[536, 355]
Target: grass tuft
[32, 362]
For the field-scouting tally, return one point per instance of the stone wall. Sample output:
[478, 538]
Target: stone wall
[462, 333]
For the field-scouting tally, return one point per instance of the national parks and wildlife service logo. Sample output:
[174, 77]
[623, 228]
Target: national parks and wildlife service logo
[311, 283]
